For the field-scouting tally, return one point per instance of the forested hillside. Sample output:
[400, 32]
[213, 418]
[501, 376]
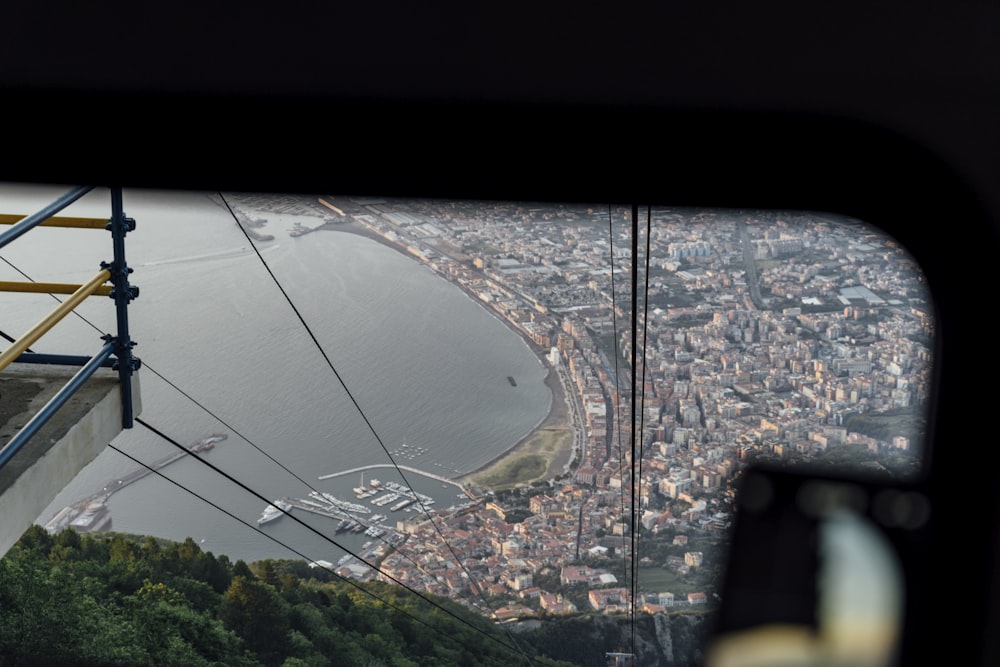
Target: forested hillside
[112, 599]
[115, 599]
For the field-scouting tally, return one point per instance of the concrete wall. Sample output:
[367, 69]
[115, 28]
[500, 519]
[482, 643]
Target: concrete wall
[77, 433]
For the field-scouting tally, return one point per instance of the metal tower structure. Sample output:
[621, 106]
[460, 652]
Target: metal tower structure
[118, 346]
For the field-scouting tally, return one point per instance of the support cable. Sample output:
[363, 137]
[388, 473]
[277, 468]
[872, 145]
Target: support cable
[346, 580]
[4, 335]
[230, 478]
[150, 368]
[618, 395]
[634, 333]
[318, 532]
[364, 417]
[362, 414]
[642, 413]
[219, 419]
[11, 339]
[174, 386]
[259, 449]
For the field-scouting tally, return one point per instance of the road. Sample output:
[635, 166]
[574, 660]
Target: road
[750, 264]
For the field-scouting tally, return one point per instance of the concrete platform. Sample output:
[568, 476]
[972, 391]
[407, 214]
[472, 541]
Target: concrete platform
[77, 433]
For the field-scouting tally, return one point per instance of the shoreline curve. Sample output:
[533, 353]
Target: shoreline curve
[557, 419]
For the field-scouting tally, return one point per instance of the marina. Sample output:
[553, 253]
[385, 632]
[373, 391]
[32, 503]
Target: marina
[347, 521]
[383, 500]
[352, 518]
[464, 421]
[405, 503]
[377, 502]
[341, 505]
[376, 484]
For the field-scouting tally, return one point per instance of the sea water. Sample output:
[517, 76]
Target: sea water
[409, 359]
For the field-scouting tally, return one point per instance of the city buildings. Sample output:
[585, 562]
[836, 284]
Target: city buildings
[784, 336]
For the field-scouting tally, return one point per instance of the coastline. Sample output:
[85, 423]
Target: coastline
[552, 438]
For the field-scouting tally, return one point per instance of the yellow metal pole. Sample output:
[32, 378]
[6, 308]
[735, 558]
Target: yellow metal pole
[50, 320]
[48, 288]
[57, 221]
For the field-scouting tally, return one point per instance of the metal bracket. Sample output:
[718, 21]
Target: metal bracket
[123, 352]
[128, 225]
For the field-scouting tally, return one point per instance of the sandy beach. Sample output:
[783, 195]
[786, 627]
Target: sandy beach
[541, 454]
[551, 442]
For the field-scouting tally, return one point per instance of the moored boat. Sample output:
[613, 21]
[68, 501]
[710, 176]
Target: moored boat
[361, 490]
[273, 511]
[207, 443]
[403, 503]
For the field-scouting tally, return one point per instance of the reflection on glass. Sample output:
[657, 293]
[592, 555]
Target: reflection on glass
[595, 396]
[859, 613]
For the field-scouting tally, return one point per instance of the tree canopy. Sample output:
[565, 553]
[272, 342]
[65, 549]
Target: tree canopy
[111, 599]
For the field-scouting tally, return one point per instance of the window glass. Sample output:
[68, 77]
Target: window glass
[571, 391]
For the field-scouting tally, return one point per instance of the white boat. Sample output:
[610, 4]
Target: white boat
[387, 498]
[401, 504]
[273, 511]
[361, 490]
[332, 501]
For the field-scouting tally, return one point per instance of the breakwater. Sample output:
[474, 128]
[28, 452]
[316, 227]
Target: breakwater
[96, 503]
[415, 471]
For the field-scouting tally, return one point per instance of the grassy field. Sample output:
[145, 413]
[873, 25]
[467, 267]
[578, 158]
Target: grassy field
[541, 455]
[519, 471]
[662, 580]
[887, 424]
[534, 459]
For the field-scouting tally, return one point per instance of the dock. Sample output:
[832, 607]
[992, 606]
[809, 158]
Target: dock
[74, 514]
[391, 536]
[429, 475]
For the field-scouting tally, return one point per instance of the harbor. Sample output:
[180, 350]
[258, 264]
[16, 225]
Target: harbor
[93, 514]
[378, 507]
[391, 493]
[390, 466]
[357, 520]
[355, 517]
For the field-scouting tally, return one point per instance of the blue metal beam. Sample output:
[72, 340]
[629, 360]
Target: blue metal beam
[41, 216]
[122, 293]
[57, 359]
[56, 402]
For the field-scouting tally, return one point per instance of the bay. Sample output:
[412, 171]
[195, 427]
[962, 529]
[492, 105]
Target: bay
[414, 360]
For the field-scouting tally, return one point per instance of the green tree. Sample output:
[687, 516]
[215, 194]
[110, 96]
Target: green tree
[257, 614]
[36, 539]
[176, 634]
[241, 569]
[35, 598]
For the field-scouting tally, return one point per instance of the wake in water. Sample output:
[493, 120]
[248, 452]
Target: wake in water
[234, 252]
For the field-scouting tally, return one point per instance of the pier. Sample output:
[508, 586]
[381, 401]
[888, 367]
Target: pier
[388, 535]
[117, 485]
[68, 515]
[429, 475]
